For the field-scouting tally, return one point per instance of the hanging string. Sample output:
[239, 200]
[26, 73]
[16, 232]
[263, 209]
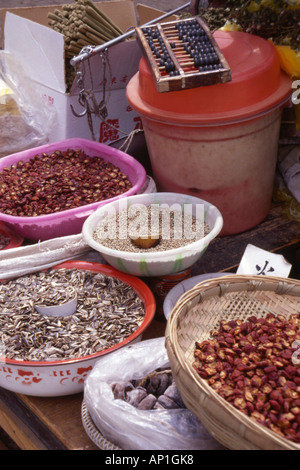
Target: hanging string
[126, 144]
[88, 100]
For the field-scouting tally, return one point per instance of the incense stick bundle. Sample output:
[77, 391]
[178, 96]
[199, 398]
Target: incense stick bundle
[82, 24]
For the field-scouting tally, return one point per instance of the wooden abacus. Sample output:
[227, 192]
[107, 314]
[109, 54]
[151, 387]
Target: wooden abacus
[183, 54]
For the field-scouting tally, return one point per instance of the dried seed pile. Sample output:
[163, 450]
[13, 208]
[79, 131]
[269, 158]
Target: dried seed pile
[252, 365]
[156, 391]
[108, 311]
[4, 241]
[59, 181]
[53, 294]
[118, 230]
[272, 19]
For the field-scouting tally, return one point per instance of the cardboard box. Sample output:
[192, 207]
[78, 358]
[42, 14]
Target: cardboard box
[40, 51]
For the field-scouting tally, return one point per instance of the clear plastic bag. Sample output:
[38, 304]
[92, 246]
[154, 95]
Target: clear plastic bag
[128, 427]
[25, 121]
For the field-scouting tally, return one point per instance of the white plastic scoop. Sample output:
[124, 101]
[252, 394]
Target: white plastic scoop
[63, 309]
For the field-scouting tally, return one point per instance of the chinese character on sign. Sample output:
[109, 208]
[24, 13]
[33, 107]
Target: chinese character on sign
[104, 82]
[48, 99]
[124, 79]
[113, 81]
[264, 270]
[109, 130]
[138, 122]
[257, 261]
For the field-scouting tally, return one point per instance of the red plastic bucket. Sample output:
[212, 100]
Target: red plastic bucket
[219, 142]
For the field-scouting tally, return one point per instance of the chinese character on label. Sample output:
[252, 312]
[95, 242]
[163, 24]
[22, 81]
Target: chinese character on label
[256, 261]
[109, 130]
[138, 123]
[124, 79]
[267, 268]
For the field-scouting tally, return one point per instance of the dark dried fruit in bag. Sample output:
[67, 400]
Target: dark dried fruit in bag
[135, 396]
[147, 403]
[172, 392]
[158, 406]
[156, 390]
[153, 384]
[167, 402]
[165, 381]
[121, 388]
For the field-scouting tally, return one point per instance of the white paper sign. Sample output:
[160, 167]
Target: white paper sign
[256, 261]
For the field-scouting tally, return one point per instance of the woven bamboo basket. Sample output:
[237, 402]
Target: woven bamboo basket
[194, 316]
[93, 432]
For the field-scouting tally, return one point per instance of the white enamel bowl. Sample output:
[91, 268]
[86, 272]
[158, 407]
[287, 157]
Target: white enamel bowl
[66, 377]
[148, 264]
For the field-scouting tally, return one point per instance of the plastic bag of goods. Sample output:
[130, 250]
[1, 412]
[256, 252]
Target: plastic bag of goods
[25, 121]
[129, 395]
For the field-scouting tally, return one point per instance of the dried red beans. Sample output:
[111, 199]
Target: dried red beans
[59, 181]
[254, 366]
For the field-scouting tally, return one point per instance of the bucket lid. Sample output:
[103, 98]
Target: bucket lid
[258, 86]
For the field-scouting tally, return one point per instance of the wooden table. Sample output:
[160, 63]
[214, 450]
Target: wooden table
[34, 423]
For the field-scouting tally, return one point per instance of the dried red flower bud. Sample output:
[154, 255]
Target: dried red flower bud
[255, 372]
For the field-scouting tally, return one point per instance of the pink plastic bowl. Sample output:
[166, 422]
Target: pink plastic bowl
[69, 222]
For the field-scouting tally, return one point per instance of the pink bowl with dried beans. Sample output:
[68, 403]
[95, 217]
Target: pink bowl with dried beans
[70, 193]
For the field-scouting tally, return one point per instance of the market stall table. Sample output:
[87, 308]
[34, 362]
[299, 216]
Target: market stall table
[35, 423]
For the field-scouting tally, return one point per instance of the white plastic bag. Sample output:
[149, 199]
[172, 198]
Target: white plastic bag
[131, 428]
[26, 259]
[25, 121]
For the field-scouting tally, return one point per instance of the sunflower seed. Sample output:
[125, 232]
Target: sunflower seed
[108, 311]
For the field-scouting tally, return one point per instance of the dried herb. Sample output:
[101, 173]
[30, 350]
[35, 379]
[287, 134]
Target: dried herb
[270, 20]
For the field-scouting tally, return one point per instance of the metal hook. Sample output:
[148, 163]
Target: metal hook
[82, 98]
[83, 102]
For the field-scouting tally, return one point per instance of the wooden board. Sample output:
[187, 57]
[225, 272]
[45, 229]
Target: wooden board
[276, 233]
[62, 418]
